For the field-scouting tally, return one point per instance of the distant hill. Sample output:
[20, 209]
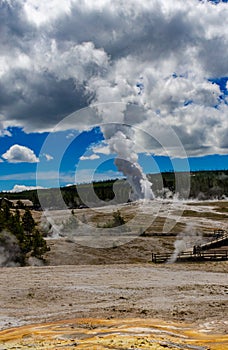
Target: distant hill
[203, 185]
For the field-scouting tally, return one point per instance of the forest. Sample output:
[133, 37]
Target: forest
[20, 238]
[202, 185]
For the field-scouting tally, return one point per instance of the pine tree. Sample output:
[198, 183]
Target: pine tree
[39, 245]
[15, 226]
[28, 221]
[28, 239]
[6, 212]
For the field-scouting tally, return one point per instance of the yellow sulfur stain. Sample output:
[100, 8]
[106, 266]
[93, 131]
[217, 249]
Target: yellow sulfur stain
[118, 334]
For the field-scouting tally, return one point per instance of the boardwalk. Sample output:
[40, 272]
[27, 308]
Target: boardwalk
[220, 239]
[189, 256]
[203, 252]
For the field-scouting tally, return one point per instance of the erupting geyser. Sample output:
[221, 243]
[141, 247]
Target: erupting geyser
[121, 142]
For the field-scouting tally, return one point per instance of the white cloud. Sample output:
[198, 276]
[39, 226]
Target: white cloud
[92, 157]
[83, 52]
[70, 135]
[3, 128]
[42, 12]
[40, 176]
[48, 157]
[5, 132]
[21, 188]
[20, 154]
[101, 149]
[18, 176]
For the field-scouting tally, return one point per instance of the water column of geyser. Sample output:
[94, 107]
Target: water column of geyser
[120, 139]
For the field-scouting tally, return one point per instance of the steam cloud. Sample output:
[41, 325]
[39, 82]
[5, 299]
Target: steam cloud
[185, 240]
[121, 142]
[9, 250]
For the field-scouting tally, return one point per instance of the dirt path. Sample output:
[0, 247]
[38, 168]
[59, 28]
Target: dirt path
[174, 292]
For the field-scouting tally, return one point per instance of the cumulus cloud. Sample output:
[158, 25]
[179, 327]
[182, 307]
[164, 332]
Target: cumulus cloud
[92, 157]
[21, 188]
[163, 56]
[20, 154]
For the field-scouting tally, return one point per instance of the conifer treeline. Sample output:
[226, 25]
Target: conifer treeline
[203, 185]
[19, 237]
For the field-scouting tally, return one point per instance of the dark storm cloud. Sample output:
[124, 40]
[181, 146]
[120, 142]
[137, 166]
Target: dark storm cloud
[15, 30]
[121, 33]
[32, 93]
[213, 55]
[57, 57]
[194, 141]
[41, 101]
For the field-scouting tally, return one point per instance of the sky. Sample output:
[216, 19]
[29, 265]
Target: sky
[84, 83]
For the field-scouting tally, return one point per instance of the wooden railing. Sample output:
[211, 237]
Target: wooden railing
[188, 256]
[218, 240]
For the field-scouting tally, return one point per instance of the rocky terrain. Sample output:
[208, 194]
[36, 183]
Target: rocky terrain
[114, 297]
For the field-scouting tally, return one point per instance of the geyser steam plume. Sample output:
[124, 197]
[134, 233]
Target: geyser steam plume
[185, 240]
[120, 140]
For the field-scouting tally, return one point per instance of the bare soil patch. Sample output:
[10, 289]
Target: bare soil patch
[113, 290]
[172, 292]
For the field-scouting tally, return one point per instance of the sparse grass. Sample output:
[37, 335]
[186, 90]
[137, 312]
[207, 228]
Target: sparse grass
[100, 218]
[208, 215]
[209, 204]
[221, 209]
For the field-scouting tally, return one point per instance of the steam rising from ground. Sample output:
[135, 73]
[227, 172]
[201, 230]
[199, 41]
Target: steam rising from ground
[89, 226]
[9, 249]
[186, 240]
[10, 252]
[50, 226]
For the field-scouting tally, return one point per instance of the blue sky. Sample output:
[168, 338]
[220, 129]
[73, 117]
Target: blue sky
[82, 83]
[51, 174]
